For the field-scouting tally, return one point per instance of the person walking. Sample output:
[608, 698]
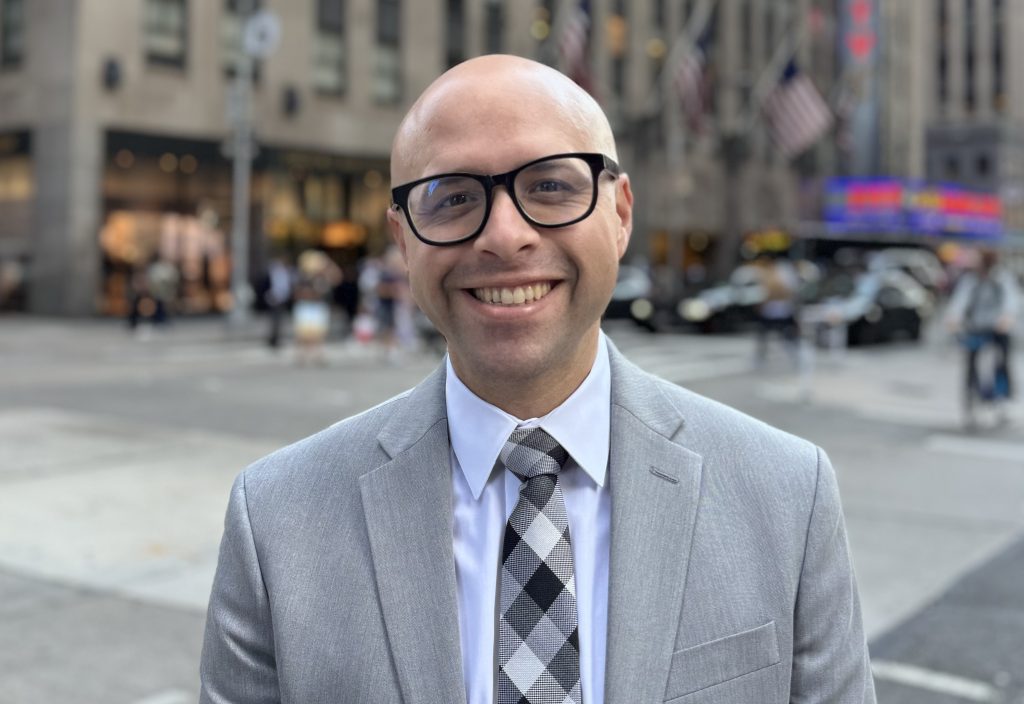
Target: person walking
[538, 520]
[278, 287]
[317, 277]
[777, 313]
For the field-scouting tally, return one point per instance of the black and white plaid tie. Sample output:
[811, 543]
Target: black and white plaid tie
[538, 642]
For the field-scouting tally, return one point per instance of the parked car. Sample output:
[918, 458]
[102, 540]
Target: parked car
[632, 291]
[922, 264]
[878, 306]
[726, 307]
[733, 306]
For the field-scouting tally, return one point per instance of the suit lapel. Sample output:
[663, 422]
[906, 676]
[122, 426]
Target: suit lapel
[408, 507]
[655, 488]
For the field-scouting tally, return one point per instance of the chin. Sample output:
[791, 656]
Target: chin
[507, 361]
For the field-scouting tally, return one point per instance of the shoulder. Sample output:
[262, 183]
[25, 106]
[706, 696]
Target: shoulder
[716, 428]
[740, 453]
[338, 454]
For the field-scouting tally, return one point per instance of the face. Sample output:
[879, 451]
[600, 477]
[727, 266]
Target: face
[552, 285]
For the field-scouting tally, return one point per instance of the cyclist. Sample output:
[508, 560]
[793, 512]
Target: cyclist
[982, 312]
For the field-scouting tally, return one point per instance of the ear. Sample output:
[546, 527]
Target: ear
[395, 227]
[624, 209]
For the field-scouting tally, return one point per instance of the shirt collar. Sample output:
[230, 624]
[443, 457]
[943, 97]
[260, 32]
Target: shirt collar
[581, 425]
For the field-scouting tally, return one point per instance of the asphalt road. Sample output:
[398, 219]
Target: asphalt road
[116, 455]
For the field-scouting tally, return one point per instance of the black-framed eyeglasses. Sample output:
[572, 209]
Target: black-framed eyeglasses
[554, 191]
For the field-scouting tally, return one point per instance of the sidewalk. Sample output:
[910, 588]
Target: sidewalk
[118, 454]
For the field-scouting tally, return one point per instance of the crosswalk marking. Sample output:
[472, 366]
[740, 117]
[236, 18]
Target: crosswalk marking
[168, 696]
[977, 447]
[940, 682]
[683, 358]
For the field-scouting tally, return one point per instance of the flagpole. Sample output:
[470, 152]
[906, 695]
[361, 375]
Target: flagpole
[735, 144]
[684, 41]
[766, 82]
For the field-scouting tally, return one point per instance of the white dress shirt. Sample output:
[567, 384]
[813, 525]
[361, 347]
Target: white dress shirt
[484, 499]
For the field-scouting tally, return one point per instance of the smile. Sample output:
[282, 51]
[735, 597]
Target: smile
[516, 296]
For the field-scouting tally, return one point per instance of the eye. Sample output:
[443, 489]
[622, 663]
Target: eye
[550, 186]
[453, 200]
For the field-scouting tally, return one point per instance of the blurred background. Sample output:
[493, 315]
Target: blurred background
[195, 269]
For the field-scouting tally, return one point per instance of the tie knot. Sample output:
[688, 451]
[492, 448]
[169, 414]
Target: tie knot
[532, 452]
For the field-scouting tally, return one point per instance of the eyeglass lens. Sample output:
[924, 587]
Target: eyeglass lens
[553, 192]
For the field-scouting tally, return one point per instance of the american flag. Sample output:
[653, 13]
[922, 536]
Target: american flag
[573, 45]
[689, 78]
[797, 114]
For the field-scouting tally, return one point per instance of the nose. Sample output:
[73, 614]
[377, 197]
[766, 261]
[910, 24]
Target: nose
[507, 232]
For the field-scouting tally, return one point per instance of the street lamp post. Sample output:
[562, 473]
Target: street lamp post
[241, 177]
[259, 37]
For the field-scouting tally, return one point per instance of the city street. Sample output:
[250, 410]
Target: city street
[117, 453]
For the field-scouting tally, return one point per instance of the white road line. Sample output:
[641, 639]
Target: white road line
[977, 447]
[168, 696]
[940, 682]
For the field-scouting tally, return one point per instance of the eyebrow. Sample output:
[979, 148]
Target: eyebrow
[479, 172]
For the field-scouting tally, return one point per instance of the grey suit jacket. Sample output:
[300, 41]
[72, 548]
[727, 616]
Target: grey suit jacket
[730, 576]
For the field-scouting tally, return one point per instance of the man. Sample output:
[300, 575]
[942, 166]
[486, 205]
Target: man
[539, 520]
[277, 285]
[983, 311]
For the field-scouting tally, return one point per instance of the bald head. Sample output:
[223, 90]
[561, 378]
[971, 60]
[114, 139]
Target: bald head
[499, 97]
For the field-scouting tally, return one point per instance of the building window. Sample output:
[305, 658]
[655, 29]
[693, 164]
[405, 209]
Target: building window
[686, 12]
[998, 78]
[387, 84]
[952, 168]
[329, 66]
[231, 36]
[618, 45]
[544, 15]
[494, 30]
[970, 22]
[982, 166]
[455, 33]
[12, 33]
[942, 52]
[747, 51]
[165, 32]
[659, 15]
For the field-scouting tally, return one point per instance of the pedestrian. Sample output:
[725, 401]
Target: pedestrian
[538, 520]
[982, 313]
[163, 279]
[777, 312]
[391, 287]
[277, 287]
[317, 277]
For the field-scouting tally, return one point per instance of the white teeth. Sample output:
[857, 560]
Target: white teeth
[512, 296]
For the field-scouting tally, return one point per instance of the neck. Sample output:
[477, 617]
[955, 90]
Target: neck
[536, 395]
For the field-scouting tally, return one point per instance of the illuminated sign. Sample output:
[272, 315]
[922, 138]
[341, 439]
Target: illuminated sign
[893, 205]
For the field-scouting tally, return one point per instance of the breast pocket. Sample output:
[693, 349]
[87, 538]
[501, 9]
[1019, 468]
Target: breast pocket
[717, 661]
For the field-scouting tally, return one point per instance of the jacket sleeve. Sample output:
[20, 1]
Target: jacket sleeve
[830, 656]
[1011, 295]
[238, 664]
[956, 309]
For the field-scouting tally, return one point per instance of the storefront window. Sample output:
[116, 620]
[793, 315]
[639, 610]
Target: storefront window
[132, 240]
[16, 204]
